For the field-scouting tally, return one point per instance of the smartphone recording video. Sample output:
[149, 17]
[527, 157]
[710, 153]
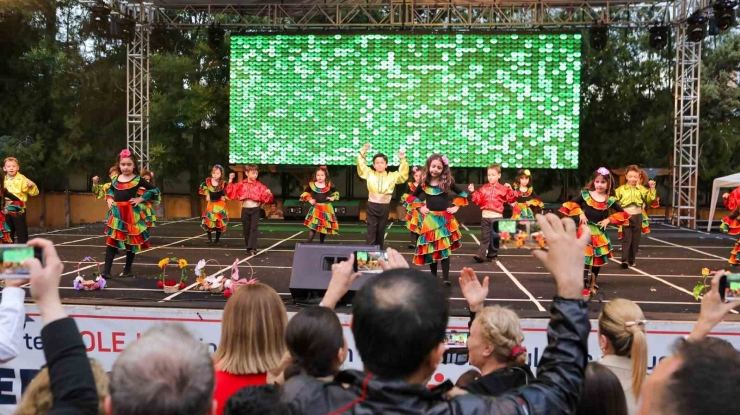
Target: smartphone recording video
[729, 287]
[521, 234]
[367, 261]
[456, 340]
[13, 259]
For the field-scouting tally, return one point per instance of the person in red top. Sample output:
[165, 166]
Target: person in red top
[491, 199]
[252, 348]
[730, 224]
[253, 195]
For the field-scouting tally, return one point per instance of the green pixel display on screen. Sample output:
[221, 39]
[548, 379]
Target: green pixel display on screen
[511, 99]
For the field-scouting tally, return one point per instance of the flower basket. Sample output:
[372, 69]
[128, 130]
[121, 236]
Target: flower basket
[96, 281]
[171, 285]
[213, 283]
[235, 283]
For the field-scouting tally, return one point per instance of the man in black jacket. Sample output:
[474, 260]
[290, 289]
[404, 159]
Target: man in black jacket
[399, 323]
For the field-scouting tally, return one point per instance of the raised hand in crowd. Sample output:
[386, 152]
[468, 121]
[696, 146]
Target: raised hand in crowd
[713, 310]
[395, 260]
[342, 277]
[474, 292]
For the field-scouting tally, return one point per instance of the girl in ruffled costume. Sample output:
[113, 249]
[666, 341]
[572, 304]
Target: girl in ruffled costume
[320, 218]
[149, 216]
[730, 224]
[4, 226]
[526, 201]
[98, 189]
[216, 217]
[126, 225]
[412, 217]
[439, 232]
[592, 209]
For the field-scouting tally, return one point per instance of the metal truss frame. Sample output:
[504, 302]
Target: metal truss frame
[428, 14]
[686, 97]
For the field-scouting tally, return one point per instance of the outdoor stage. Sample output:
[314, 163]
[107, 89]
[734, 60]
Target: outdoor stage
[668, 267]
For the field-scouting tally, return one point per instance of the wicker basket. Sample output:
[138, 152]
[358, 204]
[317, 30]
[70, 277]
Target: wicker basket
[171, 289]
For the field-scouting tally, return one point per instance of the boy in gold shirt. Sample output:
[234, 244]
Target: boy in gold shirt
[21, 187]
[380, 187]
[632, 196]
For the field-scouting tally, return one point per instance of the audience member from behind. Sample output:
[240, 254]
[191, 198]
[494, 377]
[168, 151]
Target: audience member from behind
[703, 375]
[623, 342]
[495, 344]
[602, 393]
[256, 400]
[165, 372]
[252, 343]
[316, 343]
[467, 378]
[37, 398]
[70, 376]
[399, 321]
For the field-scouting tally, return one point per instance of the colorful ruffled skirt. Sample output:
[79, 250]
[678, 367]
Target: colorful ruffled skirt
[4, 231]
[645, 225]
[732, 227]
[439, 235]
[15, 208]
[148, 213]
[216, 217]
[321, 218]
[599, 248]
[126, 227]
[522, 211]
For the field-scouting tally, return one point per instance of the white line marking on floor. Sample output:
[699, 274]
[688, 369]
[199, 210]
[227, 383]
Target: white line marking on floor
[60, 230]
[79, 240]
[386, 231]
[471, 234]
[521, 287]
[685, 247]
[663, 281]
[224, 269]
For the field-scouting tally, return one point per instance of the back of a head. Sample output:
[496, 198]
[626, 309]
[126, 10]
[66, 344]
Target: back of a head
[38, 400]
[314, 338]
[602, 393]
[706, 382]
[165, 372]
[501, 328]
[252, 331]
[622, 322]
[398, 318]
[256, 400]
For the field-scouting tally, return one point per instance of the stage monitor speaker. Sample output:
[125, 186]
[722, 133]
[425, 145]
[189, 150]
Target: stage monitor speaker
[311, 271]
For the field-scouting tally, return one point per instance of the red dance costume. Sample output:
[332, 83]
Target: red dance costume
[257, 192]
[731, 225]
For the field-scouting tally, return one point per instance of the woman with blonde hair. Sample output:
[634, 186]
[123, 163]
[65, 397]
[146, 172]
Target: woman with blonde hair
[623, 342]
[38, 399]
[494, 343]
[252, 345]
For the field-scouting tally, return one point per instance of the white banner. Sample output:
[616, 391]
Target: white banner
[108, 330]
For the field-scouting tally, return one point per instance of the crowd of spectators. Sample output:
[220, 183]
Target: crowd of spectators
[267, 365]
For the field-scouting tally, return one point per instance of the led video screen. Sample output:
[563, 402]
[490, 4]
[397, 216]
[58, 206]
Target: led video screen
[312, 99]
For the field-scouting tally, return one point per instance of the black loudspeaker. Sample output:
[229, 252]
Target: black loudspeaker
[311, 271]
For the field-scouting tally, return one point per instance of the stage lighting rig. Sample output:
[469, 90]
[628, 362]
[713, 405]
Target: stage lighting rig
[122, 27]
[215, 35]
[724, 14]
[659, 36]
[598, 36]
[99, 18]
[697, 28]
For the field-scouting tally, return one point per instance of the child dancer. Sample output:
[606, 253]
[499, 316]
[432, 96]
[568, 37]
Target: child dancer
[126, 226]
[380, 187]
[320, 218]
[632, 196]
[252, 194]
[99, 189]
[730, 224]
[592, 209]
[412, 218]
[644, 180]
[149, 215]
[21, 187]
[439, 232]
[526, 201]
[17, 206]
[491, 199]
[215, 217]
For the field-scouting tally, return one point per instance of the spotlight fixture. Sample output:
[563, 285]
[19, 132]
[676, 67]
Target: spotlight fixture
[658, 37]
[598, 36]
[99, 18]
[724, 14]
[215, 35]
[697, 28]
[122, 27]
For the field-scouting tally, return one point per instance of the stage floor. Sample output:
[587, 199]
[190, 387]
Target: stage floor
[667, 268]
